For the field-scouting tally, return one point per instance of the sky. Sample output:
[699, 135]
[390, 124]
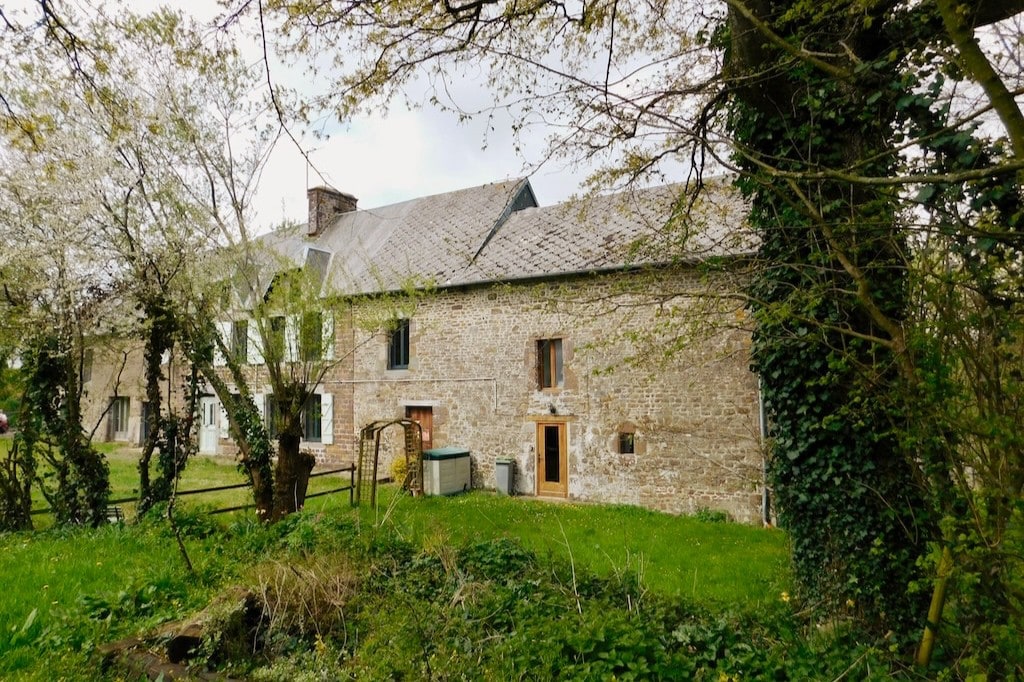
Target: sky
[398, 156]
[404, 155]
[385, 159]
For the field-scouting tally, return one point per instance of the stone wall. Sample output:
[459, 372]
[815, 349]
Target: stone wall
[116, 368]
[674, 372]
[113, 369]
[661, 356]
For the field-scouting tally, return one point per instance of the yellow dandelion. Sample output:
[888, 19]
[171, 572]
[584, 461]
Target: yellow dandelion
[784, 597]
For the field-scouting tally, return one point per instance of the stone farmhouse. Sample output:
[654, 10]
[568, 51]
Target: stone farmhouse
[599, 344]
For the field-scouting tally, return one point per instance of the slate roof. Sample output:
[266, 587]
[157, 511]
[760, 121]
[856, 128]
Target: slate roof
[429, 239]
[654, 226]
[496, 233]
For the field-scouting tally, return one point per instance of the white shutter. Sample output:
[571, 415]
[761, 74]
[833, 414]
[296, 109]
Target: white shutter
[326, 418]
[327, 330]
[223, 431]
[224, 331]
[261, 406]
[291, 338]
[254, 346]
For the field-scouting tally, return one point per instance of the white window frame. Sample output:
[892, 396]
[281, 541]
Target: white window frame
[120, 416]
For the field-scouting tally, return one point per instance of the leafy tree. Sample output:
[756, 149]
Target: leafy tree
[55, 281]
[862, 163]
[116, 135]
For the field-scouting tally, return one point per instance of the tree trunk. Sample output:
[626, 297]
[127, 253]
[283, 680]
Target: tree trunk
[830, 289]
[157, 341]
[292, 475]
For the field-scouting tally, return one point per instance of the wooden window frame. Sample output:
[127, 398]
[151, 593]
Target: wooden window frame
[277, 338]
[116, 417]
[311, 336]
[551, 376]
[627, 443]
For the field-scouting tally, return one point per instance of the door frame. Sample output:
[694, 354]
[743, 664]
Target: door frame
[208, 403]
[559, 488]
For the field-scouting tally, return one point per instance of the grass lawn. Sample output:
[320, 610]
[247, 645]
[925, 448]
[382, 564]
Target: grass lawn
[70, 590]
[723, 563]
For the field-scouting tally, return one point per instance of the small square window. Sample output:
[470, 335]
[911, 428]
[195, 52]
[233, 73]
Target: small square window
[398, 345]
[550, 371]
[627, 443]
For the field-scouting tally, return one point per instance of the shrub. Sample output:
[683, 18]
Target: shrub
[399, 470]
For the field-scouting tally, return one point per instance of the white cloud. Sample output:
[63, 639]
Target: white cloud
[404, 155]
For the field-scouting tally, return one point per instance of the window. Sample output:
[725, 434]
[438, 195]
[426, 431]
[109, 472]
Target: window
[316, 418]
[119, 419]
[311, 419]
[275, 353]
[144, 430]
[87, 365]
[270, 416]
[398, 345]
[240, 341]
[627, 443]
[311, 337]
[549, 363]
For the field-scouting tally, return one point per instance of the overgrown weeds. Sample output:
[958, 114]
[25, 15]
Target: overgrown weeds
[328, 596]
[493, 610]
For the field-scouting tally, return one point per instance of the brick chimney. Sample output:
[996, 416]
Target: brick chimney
[326, 203]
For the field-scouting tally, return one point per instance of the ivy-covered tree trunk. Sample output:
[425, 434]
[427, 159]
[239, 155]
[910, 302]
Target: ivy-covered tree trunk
[254, 447]
[245, 422]
[17, 472]
[159, 340]
[52, 414]
[829, 301]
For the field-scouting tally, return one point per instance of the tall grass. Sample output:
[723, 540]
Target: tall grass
[66, 591]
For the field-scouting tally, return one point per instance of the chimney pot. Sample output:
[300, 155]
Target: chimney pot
[325, 204]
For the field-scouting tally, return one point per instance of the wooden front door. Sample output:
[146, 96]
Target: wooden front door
[424, 415]
[552, 460]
